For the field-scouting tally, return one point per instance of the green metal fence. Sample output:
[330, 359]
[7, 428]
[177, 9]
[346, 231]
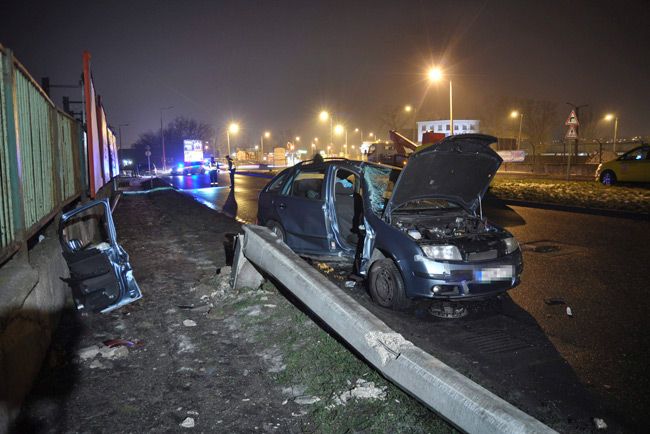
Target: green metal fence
[40, 165]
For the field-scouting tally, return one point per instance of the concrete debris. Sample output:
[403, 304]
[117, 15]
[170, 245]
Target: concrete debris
[306, 400]
[114, 353]
[96, 364]
[193, 412]
[189, 323]
[270, 306]
[294, 391]
[273, 358]
[254, 310]
[600, 423]
[88, 352]
[362, 390]
[387, 345]
[185, 345]
[188, 422]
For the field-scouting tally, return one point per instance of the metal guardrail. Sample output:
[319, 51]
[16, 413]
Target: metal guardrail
[41, 167]
[458, 399]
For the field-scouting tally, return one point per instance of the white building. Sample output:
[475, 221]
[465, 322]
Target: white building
[461, 126]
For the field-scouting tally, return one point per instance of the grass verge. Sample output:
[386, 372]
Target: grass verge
[324, 371]
[587, 194]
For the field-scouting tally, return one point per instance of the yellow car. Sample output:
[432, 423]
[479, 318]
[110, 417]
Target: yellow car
[633, 166]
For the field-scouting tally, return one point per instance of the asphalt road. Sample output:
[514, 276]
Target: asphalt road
[597, 266]
[239, 203]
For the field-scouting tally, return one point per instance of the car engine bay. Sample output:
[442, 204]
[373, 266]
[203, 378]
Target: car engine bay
[469, 233]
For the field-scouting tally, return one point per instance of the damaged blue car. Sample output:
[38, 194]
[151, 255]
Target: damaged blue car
[417, 232]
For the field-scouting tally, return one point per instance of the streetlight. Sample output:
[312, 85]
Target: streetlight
[609, 117]
[267, 134]
[514, 114]
[340, 129]
[233, 128]
[408, 109]
[372, 135]
[162, 135]
[119, 132]
[360, 131]
[324, 116]
[435, 74]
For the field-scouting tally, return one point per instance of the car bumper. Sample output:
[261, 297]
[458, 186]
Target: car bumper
[464, 281]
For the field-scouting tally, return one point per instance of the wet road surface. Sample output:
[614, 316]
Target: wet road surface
[239, 203]
[595, 265]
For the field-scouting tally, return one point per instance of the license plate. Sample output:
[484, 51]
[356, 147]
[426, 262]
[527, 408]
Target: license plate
[503, 272]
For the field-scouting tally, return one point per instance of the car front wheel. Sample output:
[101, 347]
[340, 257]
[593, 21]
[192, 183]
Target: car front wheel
[277, 230]
[608, 177]
[387, 286]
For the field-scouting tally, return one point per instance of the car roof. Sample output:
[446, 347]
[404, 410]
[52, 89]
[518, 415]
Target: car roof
[339, 161]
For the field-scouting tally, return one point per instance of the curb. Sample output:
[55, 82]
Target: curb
[455, 397]
[577, 209]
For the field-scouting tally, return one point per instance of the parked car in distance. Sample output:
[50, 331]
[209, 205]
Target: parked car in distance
[633, 166]
[413, 233]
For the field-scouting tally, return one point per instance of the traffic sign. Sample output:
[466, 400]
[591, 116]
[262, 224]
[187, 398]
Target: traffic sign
[571, 133]
[572, 119]
[147, 153]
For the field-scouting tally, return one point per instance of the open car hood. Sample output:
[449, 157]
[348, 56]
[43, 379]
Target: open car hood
[459, 169]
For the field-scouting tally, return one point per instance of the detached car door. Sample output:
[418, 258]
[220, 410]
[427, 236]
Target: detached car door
[301, 210]
[101, 277]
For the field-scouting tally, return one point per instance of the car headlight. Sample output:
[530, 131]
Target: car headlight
[511, 244]
[450, 253]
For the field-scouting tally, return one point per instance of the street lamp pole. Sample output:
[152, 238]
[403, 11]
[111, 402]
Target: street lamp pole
[119, 132]
[615, 132]
[521, 121]
[451, 108]
[267, 135]
[162, 136]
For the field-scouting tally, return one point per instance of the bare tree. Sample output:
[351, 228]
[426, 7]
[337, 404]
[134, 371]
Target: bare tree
[392, 118]
[539, 119]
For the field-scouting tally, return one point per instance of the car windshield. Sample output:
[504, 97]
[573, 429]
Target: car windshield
[379, 182]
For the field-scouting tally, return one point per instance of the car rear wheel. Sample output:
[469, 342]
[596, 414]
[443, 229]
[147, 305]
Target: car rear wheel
[276, 228]
[608, 177]
[387, 286]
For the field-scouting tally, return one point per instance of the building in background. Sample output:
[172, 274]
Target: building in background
[461, 126]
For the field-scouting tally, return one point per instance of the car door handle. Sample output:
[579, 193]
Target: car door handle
[282, 206]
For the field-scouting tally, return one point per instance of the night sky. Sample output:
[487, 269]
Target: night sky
[275, 64]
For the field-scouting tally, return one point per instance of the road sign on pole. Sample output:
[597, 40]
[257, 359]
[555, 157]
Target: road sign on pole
[571, 133]
[572, 120]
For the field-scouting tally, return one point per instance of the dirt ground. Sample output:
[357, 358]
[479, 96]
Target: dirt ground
[204, 359]
[186, 363]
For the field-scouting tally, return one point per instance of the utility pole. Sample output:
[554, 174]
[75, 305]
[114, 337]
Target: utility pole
[162, 136]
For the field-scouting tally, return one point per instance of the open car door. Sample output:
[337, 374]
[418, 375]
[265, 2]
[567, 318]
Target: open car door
[101, 277]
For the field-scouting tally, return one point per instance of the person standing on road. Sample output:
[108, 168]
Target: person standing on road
[213, 172]
[231, 169]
